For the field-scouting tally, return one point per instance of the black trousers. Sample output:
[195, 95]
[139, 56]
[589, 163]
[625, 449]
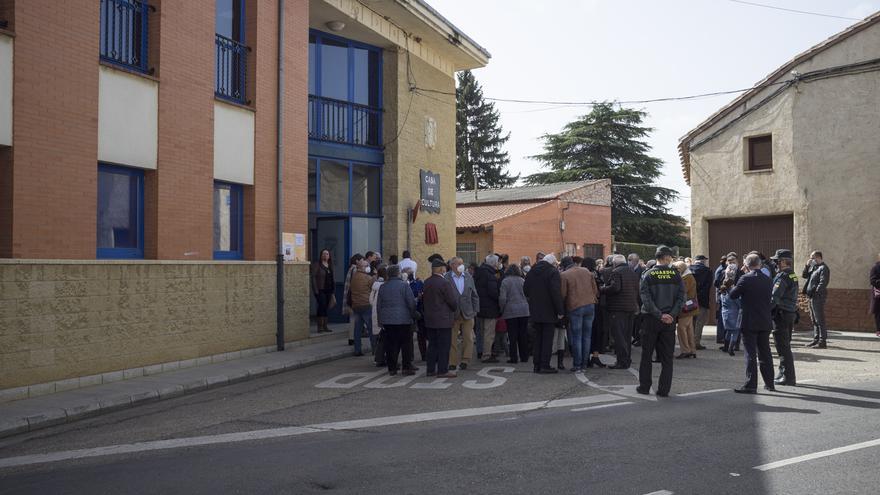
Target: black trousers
[637, 326]
[660, 336]
[543, 344]
[621, 331]
[406, 347]
[783, 325]
[323, 298]
[758, 354]
[600, 326]
[518, 334]
[395, 340]
[439, 340]
[719, 324]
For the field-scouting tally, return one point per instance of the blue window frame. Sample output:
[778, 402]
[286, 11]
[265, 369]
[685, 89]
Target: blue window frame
[120, 214]
[124, 33]
[228, 221]
[231, 51]
[345, 90]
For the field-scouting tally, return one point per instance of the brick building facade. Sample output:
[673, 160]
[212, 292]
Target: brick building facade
[569, 219]
[138, 168]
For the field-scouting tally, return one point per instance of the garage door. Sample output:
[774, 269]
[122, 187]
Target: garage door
[742, 235]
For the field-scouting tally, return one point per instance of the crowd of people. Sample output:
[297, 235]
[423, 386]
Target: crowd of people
[583, 305]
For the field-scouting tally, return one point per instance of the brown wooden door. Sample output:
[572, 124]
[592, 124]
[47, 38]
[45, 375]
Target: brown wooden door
[743, 235]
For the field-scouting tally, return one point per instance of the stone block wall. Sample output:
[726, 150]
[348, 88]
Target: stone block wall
[61, 320]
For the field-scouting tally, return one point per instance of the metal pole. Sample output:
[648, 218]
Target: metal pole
[279, 117]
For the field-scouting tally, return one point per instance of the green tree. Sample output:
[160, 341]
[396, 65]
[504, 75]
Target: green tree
[610, 144]
[478, 138]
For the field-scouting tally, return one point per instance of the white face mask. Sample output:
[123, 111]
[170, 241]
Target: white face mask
[367, 270]
[526, 268]
[460, 269]
[404, 276]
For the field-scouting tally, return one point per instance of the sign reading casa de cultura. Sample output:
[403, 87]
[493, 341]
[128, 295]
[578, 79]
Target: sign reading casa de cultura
[430, 199]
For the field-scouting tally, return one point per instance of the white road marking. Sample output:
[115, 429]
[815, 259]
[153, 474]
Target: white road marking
[602, 406]
[395, 381]
[660, 492]
[297, 430]
[436, 384]
[628, 391]
[496, 381]
[349, 380]
[702, 392]
[818, 455]
[809, 380]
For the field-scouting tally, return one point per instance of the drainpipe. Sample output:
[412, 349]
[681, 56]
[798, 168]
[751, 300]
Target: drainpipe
[279, 118]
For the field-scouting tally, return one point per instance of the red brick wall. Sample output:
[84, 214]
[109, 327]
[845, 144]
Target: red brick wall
[537, 229]
[55, 120]
[845, 310]
[260, 223]
[587, 224]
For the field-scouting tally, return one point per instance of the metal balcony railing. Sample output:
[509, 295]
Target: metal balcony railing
[231, 69]
[124, 33]
[344, 122]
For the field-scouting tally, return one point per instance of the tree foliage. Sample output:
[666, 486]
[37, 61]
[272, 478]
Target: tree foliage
[609, 143]
[479, 139]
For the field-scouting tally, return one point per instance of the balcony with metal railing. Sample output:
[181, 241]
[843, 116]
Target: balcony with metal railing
[344, 122]
[124, 33]
[231, 69]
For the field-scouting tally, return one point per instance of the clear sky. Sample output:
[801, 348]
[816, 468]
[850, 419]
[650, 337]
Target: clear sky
[576, 50]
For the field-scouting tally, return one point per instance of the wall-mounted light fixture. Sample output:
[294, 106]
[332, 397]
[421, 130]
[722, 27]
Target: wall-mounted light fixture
[335, 25]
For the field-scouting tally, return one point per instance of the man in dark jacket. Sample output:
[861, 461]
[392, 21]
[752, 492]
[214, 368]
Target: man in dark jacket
[704, 277]
[784, 307]
[755, 289]
[816, 277]
[440, 301]
[487, 280]
[663, 295]
[621, 292]
[543, 289]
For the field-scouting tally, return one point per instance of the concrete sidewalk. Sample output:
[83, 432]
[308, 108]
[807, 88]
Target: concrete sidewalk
[41, 412]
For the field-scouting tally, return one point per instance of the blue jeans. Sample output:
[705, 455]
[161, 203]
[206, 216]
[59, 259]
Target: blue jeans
[581, 322]
[363, 321]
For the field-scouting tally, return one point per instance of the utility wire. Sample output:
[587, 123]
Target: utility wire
[795, 11]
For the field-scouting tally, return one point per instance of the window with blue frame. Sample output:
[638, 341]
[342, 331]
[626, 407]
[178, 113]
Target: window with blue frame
[345, 91]
[120, 232]
[228, 221]
[231, 56]
[345, 187]
[124, 33]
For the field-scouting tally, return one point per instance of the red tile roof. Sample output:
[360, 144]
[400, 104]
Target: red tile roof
[476, 216]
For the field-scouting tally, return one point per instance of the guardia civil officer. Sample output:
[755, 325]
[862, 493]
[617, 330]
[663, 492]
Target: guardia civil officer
[662, 292]
[784, 307]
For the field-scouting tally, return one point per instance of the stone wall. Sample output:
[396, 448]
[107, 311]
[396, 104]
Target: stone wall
[61, 320]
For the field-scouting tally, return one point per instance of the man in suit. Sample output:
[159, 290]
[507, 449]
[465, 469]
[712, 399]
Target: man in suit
[755, 289]
[468, 305]
[816, 277]
[440, 302]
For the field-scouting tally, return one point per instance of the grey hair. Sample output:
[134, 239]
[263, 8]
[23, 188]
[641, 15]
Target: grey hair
[618, 260]
[393, 271]
[456, 259]
[492, 259]
[753, 261]
[633, 256]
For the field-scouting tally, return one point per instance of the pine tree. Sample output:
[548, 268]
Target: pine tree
[609, 143]
[478, 138]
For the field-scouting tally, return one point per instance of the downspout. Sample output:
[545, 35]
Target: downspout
[279, 122]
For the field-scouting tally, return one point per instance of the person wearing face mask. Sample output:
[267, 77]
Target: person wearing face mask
[816, 277]
[525, 264]
[361, 286]
[543, 289]
[731, 309]
[488, 288]
[463, 325]
[515, 311]
[418, 290]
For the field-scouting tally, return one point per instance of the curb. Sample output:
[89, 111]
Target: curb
[54, 417]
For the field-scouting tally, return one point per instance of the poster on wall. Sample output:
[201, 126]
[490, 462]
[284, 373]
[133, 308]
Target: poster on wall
[430, 197]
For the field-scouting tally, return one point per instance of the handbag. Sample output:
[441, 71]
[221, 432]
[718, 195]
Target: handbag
[501, 326]
[690, 305]
[332, 302]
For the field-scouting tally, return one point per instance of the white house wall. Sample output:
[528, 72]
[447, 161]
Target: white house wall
[6, 52]
[233, 144]
[128, 116]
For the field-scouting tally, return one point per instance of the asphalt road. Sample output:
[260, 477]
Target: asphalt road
[492, 431]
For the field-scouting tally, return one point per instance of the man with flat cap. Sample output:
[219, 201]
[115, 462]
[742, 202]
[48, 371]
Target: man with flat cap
[784, 307]
[663, 295]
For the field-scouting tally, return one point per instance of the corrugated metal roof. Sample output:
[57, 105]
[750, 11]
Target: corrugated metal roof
[524, 193]
[476, 216]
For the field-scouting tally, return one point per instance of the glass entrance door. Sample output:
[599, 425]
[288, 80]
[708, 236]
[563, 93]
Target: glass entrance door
[332, 234]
